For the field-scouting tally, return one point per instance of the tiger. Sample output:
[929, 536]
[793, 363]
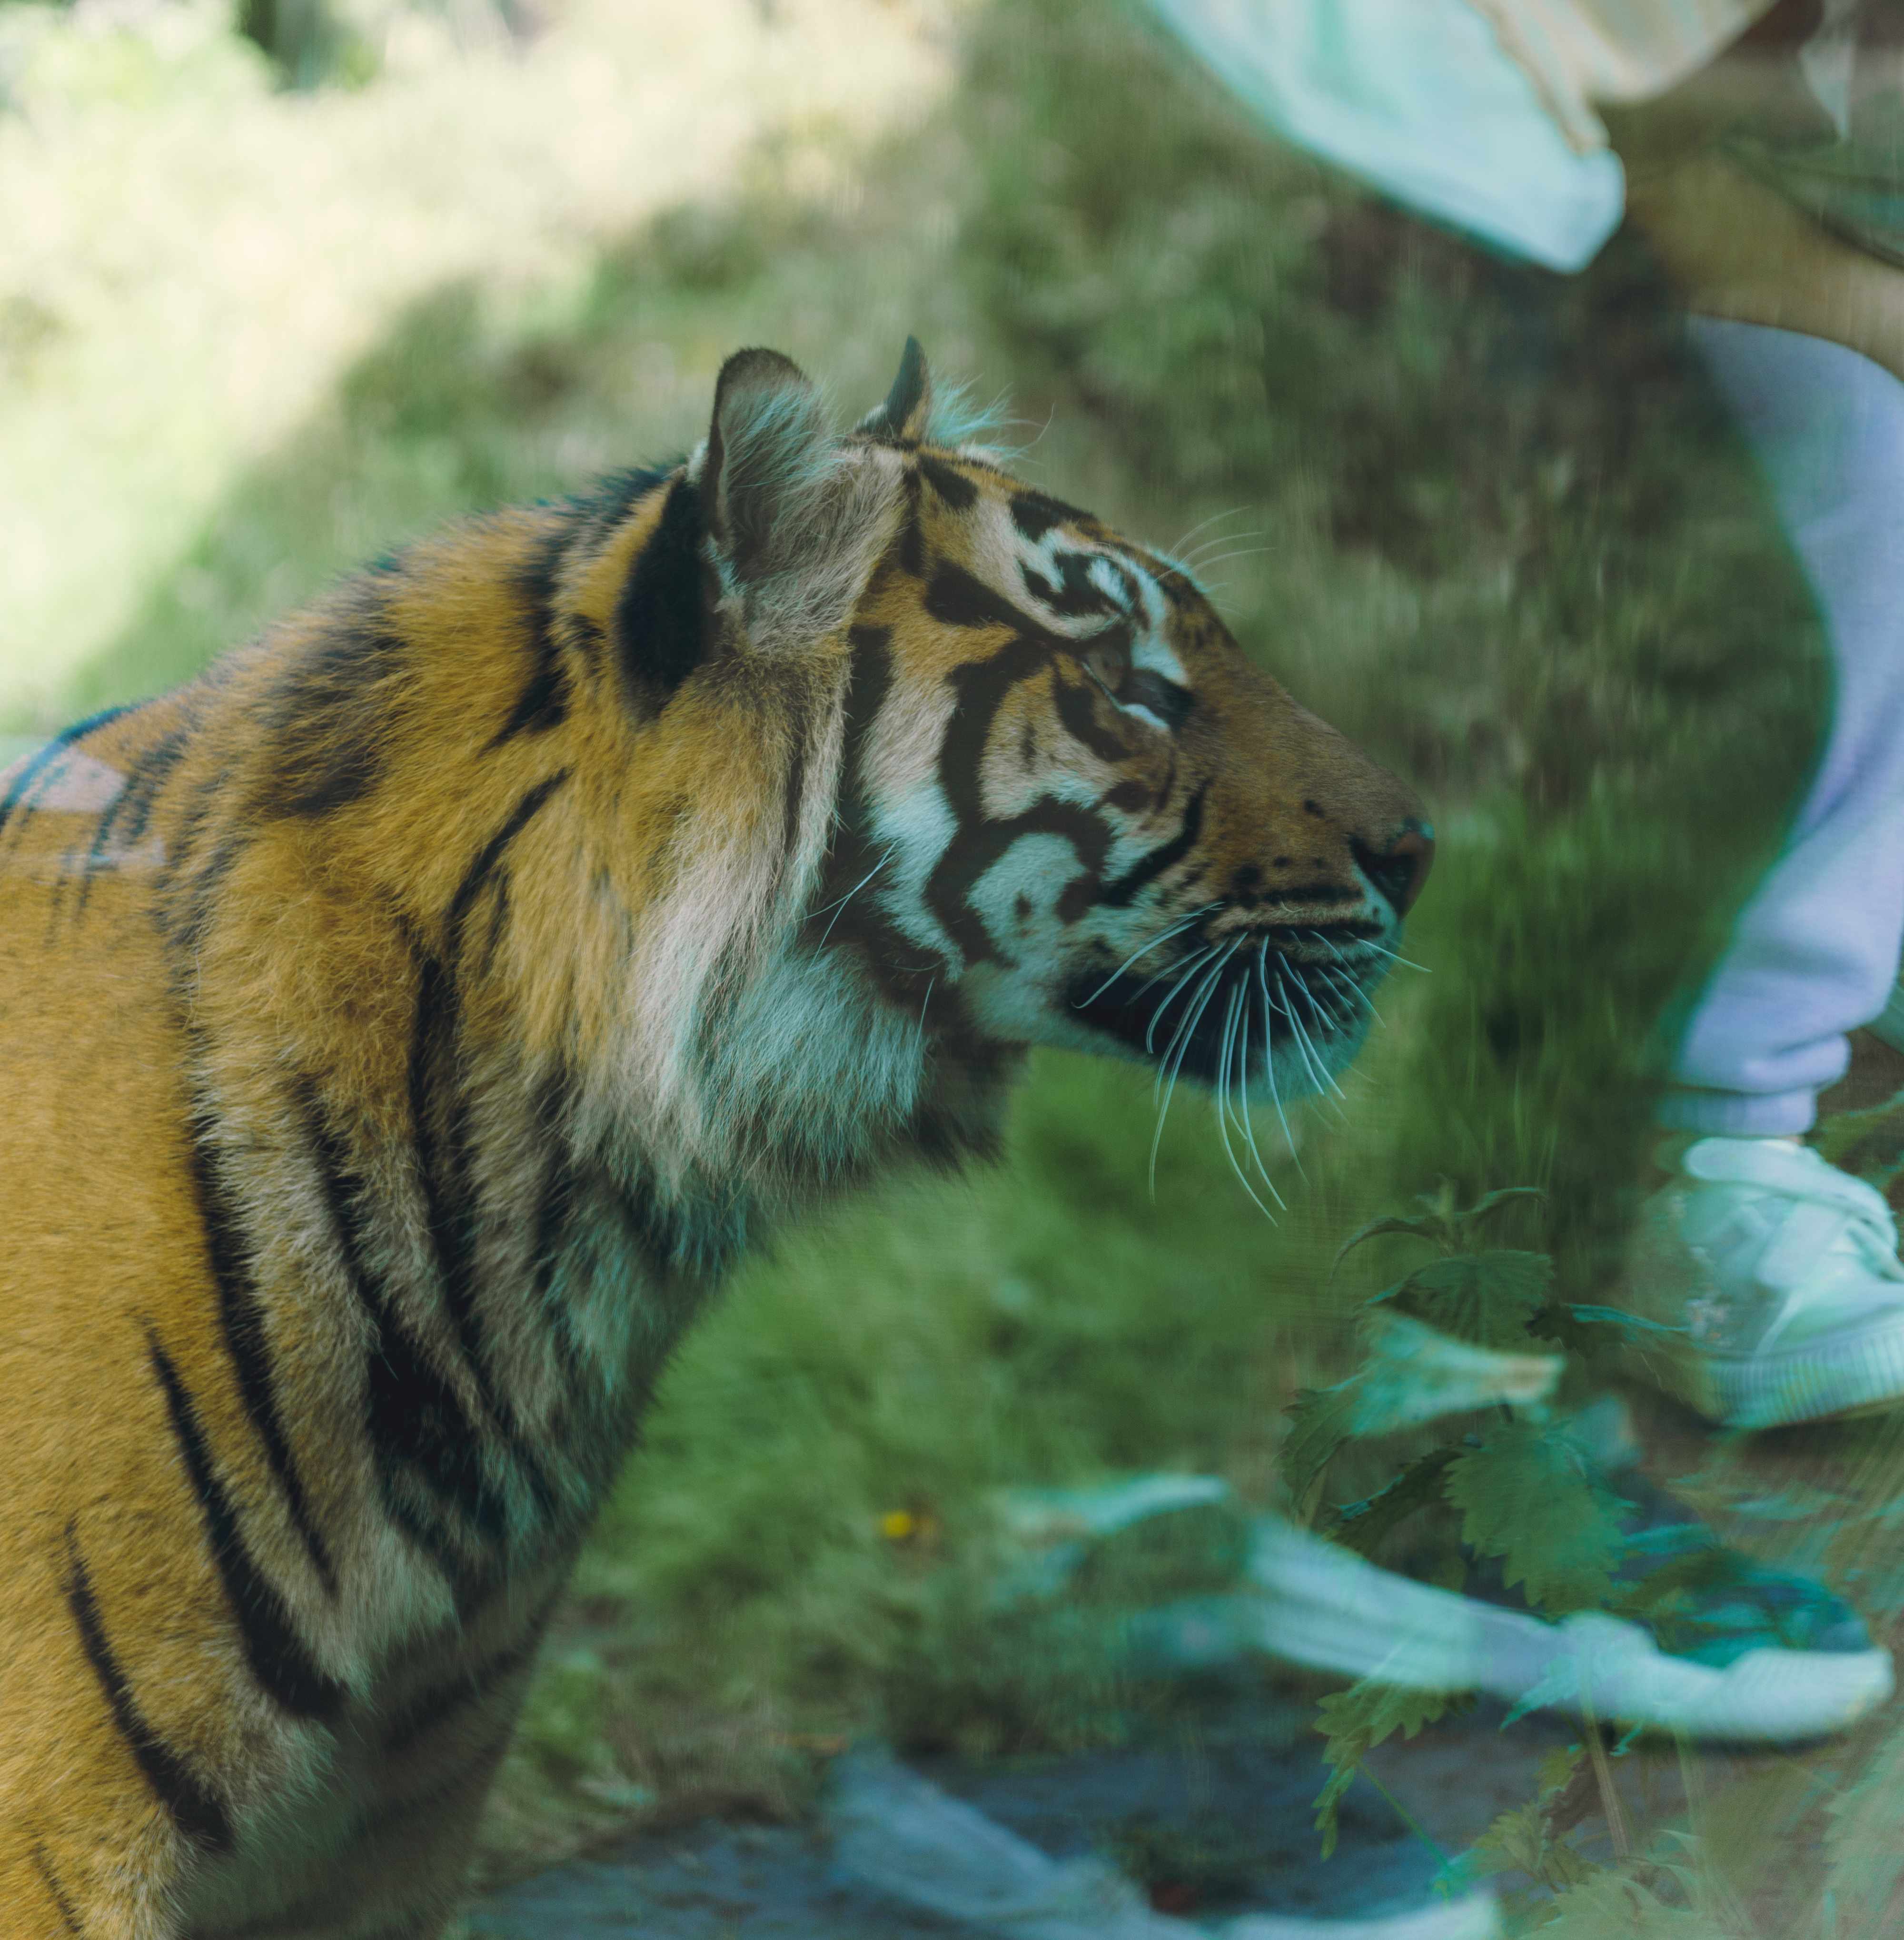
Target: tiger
[410, 1021]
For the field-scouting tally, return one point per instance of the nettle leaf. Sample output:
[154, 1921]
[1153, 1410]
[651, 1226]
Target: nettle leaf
[1608, 1905]
[1526, 1496]
[1320, 1421]
[1417, 1226]
[1353, 1722]
[1454, 1228]
[1491, 1203]
[1520, 1839]
[1363, 1525]
[1488, 1298]
[1413, 1373]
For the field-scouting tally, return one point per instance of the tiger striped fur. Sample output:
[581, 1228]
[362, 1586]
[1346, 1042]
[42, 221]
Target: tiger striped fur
[407, 1023]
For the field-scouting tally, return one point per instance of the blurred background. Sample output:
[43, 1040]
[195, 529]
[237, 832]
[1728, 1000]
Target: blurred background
[284, 282]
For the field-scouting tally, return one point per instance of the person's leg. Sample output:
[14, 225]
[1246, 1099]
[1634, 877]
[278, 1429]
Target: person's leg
[1778, 1273]
[1815, 953]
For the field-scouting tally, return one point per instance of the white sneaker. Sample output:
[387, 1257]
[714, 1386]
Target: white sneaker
[1779, 1278]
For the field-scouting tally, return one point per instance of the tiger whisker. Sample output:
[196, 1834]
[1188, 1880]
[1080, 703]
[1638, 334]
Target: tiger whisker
[1322, 1017]
[1180, 1034]
[839, 907]
[1196, 963]
[1243, 1092]
[1280, 1003]
[1202, 525]
[1223, 558]
[1269, 1060]
[1369, 943]
[1236, 541]
[1345, 980]
[1323, 1080]
[1222, 1102]
[1353, 993]
[1348, 971]
[1178, 551]
[1176, 930]
[1181, 1043]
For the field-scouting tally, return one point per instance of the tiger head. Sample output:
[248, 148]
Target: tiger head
[1068, 809]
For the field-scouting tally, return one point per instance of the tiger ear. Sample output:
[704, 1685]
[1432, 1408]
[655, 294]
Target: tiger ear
[907, 410]
[796, 519]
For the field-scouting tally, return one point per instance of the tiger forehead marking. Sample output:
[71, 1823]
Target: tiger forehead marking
[410, 1021]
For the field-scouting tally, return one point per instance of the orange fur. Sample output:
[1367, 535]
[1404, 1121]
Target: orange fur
[407, 1022]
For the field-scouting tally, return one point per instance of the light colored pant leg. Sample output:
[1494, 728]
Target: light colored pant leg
[1815, 952]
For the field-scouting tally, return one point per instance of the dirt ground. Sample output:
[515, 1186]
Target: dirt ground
[1233, 1803]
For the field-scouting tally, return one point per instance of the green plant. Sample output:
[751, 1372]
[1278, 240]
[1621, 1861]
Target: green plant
[1521, 1490]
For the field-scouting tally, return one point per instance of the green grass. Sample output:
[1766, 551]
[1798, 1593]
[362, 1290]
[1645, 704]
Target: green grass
[1502, 537]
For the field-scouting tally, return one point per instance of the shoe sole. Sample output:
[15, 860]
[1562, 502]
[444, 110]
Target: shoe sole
[1833, 1379]
[1315, 1604]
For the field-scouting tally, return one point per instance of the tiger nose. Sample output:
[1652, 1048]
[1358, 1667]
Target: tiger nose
[1400, 869]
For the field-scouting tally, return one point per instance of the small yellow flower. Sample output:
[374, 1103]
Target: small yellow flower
[897, 1524]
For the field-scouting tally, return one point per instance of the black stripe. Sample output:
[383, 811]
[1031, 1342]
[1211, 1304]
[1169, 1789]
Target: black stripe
[956, 598]
[660, 617]
[561, 1189]
[184, 926]
[415, 1420]
[450, 1197]
[1172, 705]
[1077, 713]
[242, 1318]
[1121, 891]
[280, 1663]
[70, 737]
[1035, 514]
[796, 787]
[205, 887]
[912, 531]
[423, 1713]
[450, 1211]
[869, 682]
[845, 911]
[132, 805]
[328, 732]
[491, 853]
[451, 1206]
[979, 840]
[198, 1812]
[55, 1891]
[612, 499]
[957, 490]
[1076, 594]
[544, 703]
[498, 922]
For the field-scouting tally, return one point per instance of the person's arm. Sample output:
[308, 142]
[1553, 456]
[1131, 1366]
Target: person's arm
[1733, 245]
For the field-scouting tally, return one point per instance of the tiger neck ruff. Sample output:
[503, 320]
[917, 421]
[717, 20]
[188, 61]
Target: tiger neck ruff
[408, 1021]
